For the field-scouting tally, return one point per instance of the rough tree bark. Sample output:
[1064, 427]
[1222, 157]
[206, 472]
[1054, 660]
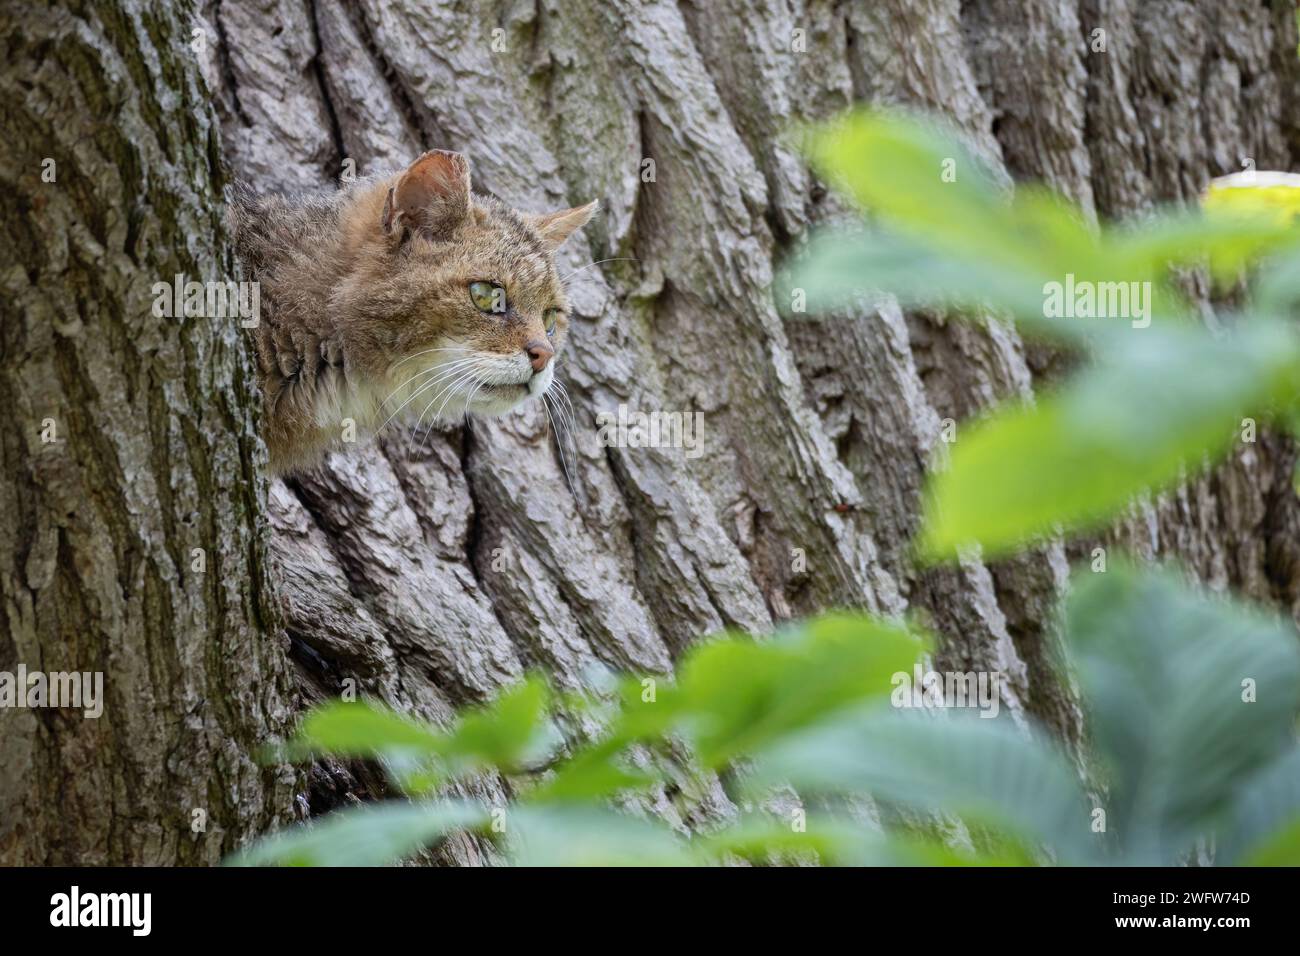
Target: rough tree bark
[130, 443]
[430, 573]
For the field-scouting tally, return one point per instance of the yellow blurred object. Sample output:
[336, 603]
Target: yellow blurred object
[1255, 192]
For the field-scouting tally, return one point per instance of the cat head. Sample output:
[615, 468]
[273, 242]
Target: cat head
[472, 312]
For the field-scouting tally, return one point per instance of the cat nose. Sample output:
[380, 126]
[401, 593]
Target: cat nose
[539, 353]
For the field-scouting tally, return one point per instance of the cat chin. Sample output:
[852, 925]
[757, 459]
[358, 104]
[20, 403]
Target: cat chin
[542, 381]
[500, 400]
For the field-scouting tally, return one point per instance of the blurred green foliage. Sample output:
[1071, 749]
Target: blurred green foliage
[1191, 700]
[1153, 403]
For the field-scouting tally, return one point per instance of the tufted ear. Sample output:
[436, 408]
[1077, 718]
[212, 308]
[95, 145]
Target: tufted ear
[431, 195]
[556, 227]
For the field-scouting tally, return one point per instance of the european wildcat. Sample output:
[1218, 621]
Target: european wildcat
[400, 295]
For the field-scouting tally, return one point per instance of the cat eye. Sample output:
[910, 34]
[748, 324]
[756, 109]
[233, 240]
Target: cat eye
[487, 296]
[551, 316]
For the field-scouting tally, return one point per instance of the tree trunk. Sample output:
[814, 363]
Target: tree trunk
[132, 537]
[430, 572]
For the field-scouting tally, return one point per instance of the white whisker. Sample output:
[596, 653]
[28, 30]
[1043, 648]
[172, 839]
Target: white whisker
[459, 382]
[448, 369]
[469, 398]
[599, 262]
[558, 446]
[418, 375]
[564, 393]
[572, 424]
[449, 390]
[427, 351]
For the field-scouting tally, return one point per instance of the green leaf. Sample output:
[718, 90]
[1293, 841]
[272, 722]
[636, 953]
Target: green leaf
[592, 773]
[575, 835]
[833, 842]
[896, 850]
[945, 221]
[1225, 241]
[1263, 828]
[840, 267]
[977, 246]
[369, 835]
[911, 172]
[736, 696]
[984, 770]
[360, 729]
[952, 238]
[1131, 423]
[1280, 849]
[508, 733]
[1277, 288]
[762, 839]
[1162, 670]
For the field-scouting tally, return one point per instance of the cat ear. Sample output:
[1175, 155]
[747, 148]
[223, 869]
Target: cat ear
[556, 227]
[431, 195]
